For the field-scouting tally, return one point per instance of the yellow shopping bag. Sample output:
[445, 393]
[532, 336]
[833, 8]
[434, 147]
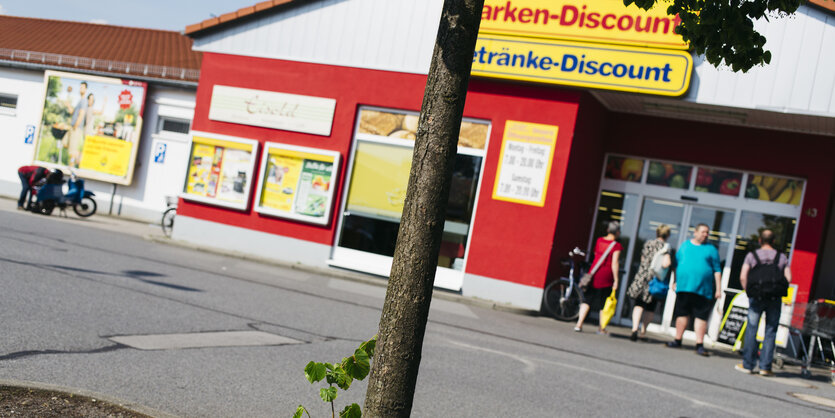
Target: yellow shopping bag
[608, 310]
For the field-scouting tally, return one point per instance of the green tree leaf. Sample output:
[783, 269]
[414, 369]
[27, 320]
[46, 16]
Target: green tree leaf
[723, 31]
[369, 346]
[299, 411]
[357, 366]
[314, 372]
[328, 394]
[343, 380]
[351, 411]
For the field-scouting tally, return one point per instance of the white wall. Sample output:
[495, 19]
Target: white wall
[28, 86]
[398, 35]
[393, 35]
[144, 199]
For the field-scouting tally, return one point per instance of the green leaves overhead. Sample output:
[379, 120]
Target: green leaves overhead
[723, 30]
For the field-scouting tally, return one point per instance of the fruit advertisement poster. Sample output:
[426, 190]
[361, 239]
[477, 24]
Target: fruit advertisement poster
[774, 189]
[297, 183]
[91, 125]
[220, 170]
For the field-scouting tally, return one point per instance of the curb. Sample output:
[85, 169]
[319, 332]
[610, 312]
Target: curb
[358, 277]
[131, 406]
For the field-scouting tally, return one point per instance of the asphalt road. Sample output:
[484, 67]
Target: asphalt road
[69, 286]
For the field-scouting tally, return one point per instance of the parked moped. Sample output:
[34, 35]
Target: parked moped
[50, 195]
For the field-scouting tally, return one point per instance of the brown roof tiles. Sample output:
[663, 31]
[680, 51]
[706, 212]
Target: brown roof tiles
[122, 49]
[238, 14]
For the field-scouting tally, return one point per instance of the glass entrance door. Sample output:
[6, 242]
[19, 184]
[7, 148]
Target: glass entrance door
[654, 213]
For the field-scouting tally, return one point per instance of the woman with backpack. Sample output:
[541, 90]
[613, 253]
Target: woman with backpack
[655, 261]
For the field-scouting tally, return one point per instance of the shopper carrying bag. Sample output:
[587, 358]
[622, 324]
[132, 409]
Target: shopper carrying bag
[603, 279]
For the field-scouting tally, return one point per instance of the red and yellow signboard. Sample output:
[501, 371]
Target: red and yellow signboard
[600, 21]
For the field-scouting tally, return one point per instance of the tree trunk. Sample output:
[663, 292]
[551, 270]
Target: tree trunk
[394, 369]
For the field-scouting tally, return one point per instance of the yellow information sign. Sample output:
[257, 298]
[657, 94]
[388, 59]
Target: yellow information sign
[621, 68]
[601, 21]
[525, 162]
[106, 155]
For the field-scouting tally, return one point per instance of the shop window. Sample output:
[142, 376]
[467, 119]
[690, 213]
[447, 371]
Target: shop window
[402, 125]
[774, 189]
[614, 206]
[623, 168]
[712, 180]
[380, 175]
[8, 104]
[747, 239]
[669, 174]
[172, 125]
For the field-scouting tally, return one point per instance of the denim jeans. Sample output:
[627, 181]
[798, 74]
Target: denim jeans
[756, 308]
[24, 190]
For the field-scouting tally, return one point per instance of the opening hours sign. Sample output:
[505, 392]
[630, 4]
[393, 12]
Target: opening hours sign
[525, 162]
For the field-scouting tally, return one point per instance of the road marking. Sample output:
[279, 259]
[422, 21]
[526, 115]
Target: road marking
[814, 399]
[651, 386]
[530, 367]
[202, 340]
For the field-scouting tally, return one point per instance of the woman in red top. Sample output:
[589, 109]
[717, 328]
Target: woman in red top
[605, 279]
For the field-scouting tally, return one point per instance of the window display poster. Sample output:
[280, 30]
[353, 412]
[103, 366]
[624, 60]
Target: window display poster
[92, 125]
[219, 170]
[297, 183]
[525, 162]
[379, 180]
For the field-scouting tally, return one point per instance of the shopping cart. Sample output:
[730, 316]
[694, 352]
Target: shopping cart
[814, 321]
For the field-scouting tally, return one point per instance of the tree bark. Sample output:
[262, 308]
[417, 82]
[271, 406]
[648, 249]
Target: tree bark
[394, 369]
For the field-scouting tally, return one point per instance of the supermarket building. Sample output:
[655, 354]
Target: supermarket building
[306, 113]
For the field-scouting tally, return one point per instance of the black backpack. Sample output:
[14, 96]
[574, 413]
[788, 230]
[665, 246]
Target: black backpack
[767, 281]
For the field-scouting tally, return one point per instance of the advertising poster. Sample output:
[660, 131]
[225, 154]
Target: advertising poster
[220, 170]
[297, 183]
[525, 163]
[383, 171]
[91, 125]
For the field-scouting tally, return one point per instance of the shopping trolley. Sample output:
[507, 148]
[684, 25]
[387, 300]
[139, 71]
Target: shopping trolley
[816, 321]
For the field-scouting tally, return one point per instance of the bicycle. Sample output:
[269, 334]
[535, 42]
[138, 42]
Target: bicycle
[562, 298]
[168, 216]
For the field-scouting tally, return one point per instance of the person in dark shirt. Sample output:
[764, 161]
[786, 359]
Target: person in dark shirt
[29, 176]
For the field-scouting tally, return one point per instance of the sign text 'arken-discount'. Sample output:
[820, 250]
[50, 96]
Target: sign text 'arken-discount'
[637, 70]
[602, 21]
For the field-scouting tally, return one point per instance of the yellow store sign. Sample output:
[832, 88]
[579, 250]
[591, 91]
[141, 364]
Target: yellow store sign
[601, 21]
[621, 68]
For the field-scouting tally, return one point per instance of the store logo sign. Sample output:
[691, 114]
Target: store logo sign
[290, 112]
[620, 68]
[600, 21]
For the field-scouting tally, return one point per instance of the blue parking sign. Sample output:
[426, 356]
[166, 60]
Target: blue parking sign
[159, 152]
[30, 134]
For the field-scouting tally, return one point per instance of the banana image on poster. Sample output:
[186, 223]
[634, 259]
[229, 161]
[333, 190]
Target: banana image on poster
[775, 189]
